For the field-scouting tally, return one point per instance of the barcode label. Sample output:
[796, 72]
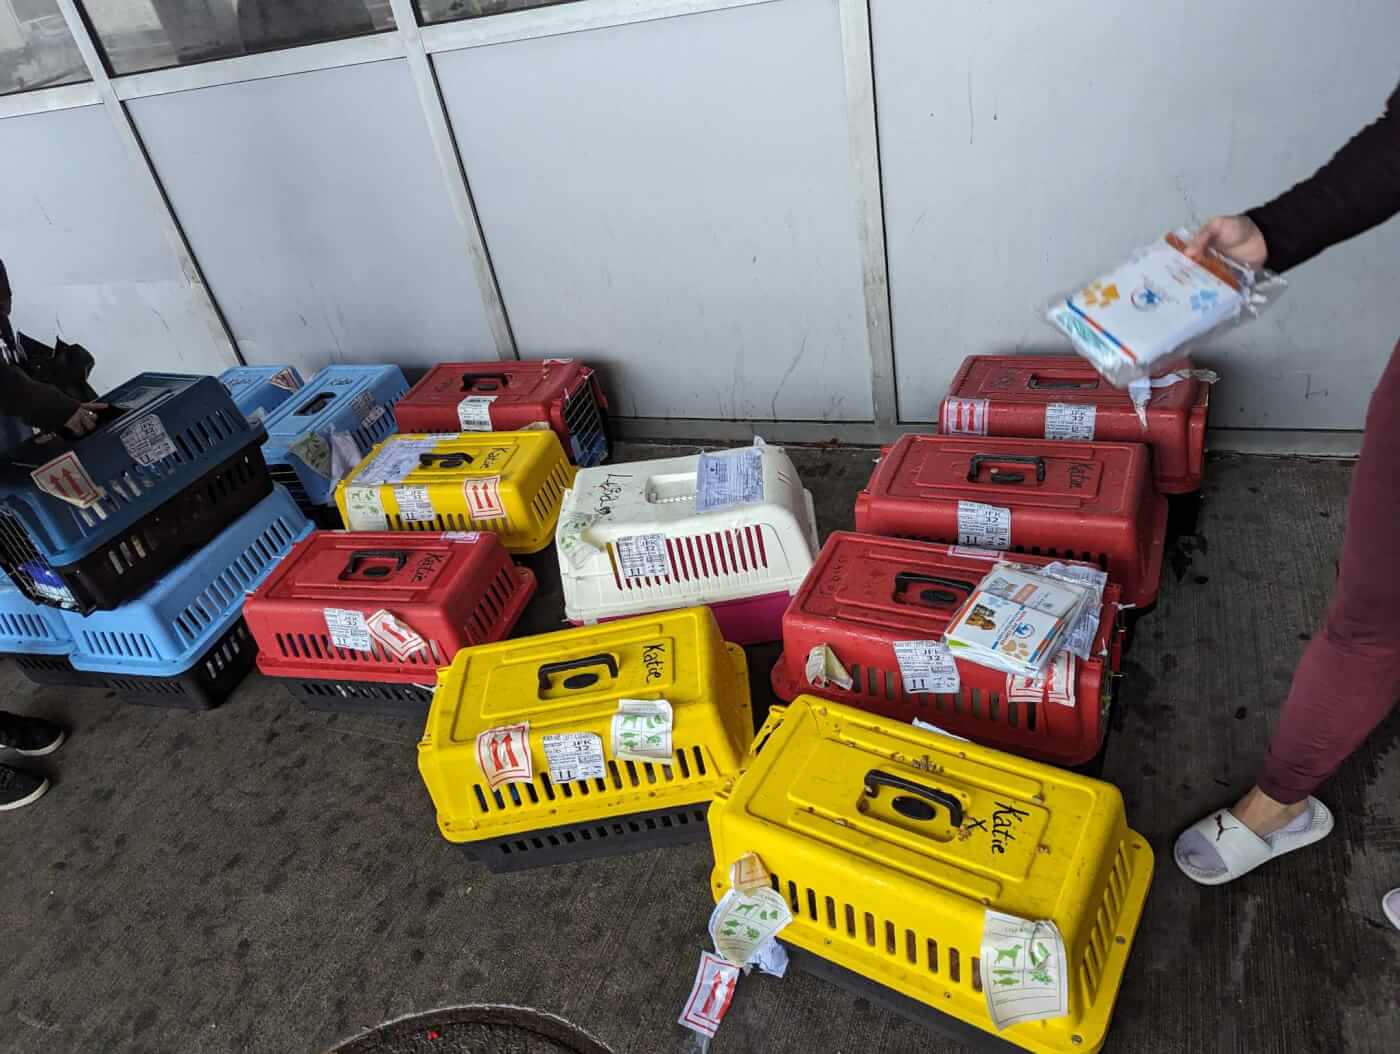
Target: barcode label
[474, 413]
[927, 666]
[414, 504]
[985, 526]
[643, 556]
[1070, 420]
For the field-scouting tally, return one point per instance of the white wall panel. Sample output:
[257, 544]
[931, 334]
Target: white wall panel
[1025, 147]
[85, 252]
[673, 199]
[317, 212]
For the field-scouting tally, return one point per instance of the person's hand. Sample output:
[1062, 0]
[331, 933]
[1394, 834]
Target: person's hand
[1237, 237]
[84, 418]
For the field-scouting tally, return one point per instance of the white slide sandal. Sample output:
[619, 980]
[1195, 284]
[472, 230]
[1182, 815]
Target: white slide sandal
[1390, 904]
[1241, 850]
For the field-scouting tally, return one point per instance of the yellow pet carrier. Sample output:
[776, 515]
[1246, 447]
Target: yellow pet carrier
[571, 682]
[890, 843]
[509, 483]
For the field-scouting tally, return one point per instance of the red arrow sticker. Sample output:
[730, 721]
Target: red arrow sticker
[64, 477]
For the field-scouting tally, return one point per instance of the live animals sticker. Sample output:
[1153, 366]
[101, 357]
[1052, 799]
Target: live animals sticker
[1024, 969]
[147, 441]
[504, 754]
[474, 413]
[65, 477]
[643, 556]
[641, 730]
[743, 921]
[364, 511]
[314, 452]
[1070, 420]
[574, 756]
[927, 666]
[985, 526]
[348, 629]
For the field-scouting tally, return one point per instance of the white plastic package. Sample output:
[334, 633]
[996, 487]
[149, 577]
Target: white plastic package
[1139, 319]
[1017, 620]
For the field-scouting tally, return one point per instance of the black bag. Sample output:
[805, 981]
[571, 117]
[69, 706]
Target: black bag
[64, 366]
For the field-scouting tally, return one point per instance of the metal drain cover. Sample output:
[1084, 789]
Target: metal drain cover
[475, 1030]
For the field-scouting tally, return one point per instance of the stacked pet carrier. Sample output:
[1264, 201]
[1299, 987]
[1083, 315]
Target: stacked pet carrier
[144, 536]
[258, 390]
[326, 428]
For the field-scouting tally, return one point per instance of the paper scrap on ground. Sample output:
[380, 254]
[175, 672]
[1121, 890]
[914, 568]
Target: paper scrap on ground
[984, 526]
[147, 441]
[397, 638]
[729, 477]
[474, 413]
[965, 416]
[824, 668]
[415, 504]
[641, 730]
[927, 666]
[1070, 420]
[348, 629]
[741, 922]
[927, 727]
[749, 873]
[314, 452]
[643, 556]
[65, 477]
[364, 511]
[504, 754]
[710, 995]
[574, 756]
[772, 958]
[1023, 966]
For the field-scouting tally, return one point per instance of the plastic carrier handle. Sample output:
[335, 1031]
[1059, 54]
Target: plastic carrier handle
[579, 680]
[359, 556]
[1039, 384]
[945, 595]
[914, 808]
[455, 459]
[1007, 477]
[471, 380]
[316, 405]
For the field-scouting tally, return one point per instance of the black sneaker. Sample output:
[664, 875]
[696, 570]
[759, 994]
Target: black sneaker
[31, 736]
[18, 789]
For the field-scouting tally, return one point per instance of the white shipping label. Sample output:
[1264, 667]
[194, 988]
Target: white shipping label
[985, 526]
[397, 638]
[147, 441]
[824, 668]
[288, 380]
[1070, 420]
[504, 754]
[643, 556]
[314, 452]
[574, 756]
[730, 477]
[484, 498]
[641, 730]
[927, 666]
[348, 629]
[364, 405]
[972, 552]
[395, 460]
[364, 511]
[965, 416]
[474, 413]
[65, 477]
[415, 504]
[1024, 969]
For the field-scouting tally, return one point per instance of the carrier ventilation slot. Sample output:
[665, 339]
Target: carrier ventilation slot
[1103, 935]
[842, 919]
[702, 557]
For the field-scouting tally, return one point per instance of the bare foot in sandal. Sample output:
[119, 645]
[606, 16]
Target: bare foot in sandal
[1233, 842]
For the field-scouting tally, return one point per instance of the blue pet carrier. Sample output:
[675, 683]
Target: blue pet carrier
[305, 433]
[88, 523]
[184, 642]
[28, 628]
[258, 390]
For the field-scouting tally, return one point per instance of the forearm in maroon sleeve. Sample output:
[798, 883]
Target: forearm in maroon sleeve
[1355, 191]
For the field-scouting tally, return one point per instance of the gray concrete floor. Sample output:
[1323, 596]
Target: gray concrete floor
[263, 878]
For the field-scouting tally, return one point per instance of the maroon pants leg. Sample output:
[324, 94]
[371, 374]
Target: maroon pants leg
[1349, 678]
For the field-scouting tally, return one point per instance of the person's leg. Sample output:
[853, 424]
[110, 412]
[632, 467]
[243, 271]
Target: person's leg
[1349, 677]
